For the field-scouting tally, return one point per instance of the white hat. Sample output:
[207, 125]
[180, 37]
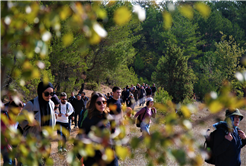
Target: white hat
[149, 99]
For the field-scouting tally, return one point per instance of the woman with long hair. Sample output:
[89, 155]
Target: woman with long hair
[97, 116]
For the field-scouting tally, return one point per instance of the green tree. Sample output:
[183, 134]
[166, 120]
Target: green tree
[173, 73]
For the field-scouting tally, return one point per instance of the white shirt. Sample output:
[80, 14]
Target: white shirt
[64, 118]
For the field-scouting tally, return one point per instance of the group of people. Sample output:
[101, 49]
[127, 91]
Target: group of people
[51, 110]
[100, 108]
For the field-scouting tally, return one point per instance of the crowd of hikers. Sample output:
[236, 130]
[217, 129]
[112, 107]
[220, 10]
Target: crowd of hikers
[80, 110]
[105, 112]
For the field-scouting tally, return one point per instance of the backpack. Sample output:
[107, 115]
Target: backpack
[66, 108]
[139, 119]
[82, 116]
[209, 145]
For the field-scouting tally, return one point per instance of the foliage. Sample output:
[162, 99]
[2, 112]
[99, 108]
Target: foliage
[173, 73]
[161, 96]
[61, 41]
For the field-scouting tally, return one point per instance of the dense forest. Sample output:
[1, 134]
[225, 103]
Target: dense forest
[194, 55]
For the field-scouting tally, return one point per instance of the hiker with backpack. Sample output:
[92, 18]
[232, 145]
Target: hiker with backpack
[64, 111]
[97, 116]
[226, 140]
[144, 116]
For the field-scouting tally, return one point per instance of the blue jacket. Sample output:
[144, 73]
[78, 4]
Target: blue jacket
[227, 153]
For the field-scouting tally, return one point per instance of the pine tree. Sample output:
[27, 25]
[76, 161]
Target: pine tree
[173, 73]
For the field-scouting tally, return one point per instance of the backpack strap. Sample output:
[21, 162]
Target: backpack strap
[59, 108]
[144, 113]
[67, 108]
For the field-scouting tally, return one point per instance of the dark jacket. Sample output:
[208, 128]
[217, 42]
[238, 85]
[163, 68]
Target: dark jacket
[78, 105]
[86, 126]
[227, 153]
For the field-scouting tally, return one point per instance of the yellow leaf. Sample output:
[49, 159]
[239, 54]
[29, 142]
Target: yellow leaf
[101, 13]
[122, 152]
[186, 11]
[35, 73]
[167, 20]
[122, 15]
[203, 9]
[90, 150]
[67, 39]
[109, 155]
[65, 12]
[215, 107]
[45, 78]
[16, 73]
[95, 38]
[27, 65]
[79, 8]
[186, 112]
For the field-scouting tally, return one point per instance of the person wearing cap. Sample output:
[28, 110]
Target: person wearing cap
[229, 139]
[146, 113]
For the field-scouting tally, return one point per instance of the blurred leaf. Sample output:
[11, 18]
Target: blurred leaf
[215, 107]
[94, 39]
[67, 39]
[101, 13]
[135, 142]
[65, 12]
[180, 156]
[16, 73]
[186, 112]
[27, 65]
[35, 73]
[167, 19]
[186, 11]
[122, 15]
[203, 9]
[89, 150]
[109, 155]
[122, 152]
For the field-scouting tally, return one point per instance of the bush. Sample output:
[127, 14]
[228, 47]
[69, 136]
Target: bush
[162, 96]
[92, 86]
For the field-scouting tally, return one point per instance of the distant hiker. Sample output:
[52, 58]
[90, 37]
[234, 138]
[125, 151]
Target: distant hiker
[132, 87]
[65, 109]
[153, 88]
[71, 98]
[135, 93]
[142, 94]
[97, 113]
[78, 105]
[84, 98]
[145, 115]
[57, 102]
[228, 140]
[43, 109]
[148, 91]
[138, 86]
[123, 95]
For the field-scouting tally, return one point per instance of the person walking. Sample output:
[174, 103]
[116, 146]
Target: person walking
[43, 109]
[114, 103]
[146, 113]
[153, 88]
[64, 111]
[78, 105]
[97, 113]
[229, 139]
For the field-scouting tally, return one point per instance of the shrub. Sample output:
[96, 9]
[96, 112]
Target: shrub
[92, 86]
[162, 96]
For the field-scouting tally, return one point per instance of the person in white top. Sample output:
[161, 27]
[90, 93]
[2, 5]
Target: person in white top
[64, 111]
